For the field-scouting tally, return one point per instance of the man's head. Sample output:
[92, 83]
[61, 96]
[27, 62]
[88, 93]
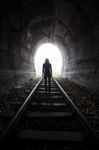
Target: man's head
[46, 60]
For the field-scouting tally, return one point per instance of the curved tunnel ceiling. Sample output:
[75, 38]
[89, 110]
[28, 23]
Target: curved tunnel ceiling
[58, 21]
[44, 20]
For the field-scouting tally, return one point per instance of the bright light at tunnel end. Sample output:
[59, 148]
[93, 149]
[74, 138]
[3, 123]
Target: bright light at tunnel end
[51, 52]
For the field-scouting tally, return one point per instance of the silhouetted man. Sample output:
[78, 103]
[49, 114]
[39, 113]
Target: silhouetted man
[47, 71]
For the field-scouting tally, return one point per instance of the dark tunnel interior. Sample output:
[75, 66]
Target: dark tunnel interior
[72, 25]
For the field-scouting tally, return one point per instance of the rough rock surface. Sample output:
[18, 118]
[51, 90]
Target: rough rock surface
[86, 100]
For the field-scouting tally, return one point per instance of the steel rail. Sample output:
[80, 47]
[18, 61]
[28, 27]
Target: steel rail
[11, 126]
[90, 133]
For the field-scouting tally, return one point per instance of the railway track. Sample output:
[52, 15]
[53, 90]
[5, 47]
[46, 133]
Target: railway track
[48, 120]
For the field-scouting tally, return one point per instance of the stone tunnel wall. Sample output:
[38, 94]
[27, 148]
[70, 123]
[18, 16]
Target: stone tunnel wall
[16, 62]
[23, 59]
[81, 41]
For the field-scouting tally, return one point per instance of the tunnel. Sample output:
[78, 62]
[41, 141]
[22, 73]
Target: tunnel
[72, 25]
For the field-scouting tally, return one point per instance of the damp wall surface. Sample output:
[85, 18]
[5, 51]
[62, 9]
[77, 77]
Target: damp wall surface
[81, 41]
[16, 61]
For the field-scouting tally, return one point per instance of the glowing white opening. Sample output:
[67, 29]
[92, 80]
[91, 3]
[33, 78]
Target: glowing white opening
[51, 52]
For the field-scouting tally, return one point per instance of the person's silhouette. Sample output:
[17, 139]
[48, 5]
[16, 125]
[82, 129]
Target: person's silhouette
[47, 72]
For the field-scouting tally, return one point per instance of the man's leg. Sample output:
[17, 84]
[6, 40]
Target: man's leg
[49, 80]
[45, 83]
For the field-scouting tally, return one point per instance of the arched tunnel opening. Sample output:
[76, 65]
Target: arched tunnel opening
[70, 29]
[51, 52]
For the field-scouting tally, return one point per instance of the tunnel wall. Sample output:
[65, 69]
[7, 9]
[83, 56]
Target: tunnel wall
[16, 62]
[81, 41]
[23, 59]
